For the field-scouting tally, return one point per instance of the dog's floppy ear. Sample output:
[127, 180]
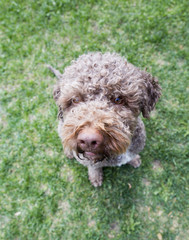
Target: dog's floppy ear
[56, 96]
[56, 92]
[151, 93]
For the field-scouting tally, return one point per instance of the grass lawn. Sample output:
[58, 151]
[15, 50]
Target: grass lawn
[43, 195]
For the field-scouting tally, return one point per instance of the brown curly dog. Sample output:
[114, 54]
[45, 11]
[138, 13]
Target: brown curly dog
[100, 97]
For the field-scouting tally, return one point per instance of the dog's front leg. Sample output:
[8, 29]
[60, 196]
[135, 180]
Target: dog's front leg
[95, 176]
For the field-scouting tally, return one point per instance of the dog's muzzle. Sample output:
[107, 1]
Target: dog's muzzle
[90, 142]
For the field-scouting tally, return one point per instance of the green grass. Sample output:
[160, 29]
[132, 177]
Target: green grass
[43, 195]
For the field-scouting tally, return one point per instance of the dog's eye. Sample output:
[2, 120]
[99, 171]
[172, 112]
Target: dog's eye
[76, 100]
[118, 100]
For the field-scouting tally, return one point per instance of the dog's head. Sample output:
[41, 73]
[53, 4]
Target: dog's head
[100, 97]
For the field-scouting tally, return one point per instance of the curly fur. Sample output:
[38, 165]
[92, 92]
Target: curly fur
[94, 81]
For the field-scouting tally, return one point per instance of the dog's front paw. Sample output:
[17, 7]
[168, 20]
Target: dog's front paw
[95, 176]
[135, 162]
[96, 182]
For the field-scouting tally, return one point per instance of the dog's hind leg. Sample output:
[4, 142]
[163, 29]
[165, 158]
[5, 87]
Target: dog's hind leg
[135, 162]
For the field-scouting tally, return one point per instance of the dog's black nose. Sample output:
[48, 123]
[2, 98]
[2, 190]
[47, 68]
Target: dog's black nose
[89, 139]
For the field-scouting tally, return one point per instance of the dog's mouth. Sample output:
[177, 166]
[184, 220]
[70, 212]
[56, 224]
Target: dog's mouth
[91, 155]
[96, 157]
